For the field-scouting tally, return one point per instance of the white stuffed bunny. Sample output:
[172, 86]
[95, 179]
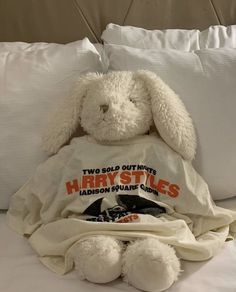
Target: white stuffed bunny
[120, 106]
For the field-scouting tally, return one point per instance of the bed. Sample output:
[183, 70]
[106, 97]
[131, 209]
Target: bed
[62, 22]
[21, 271]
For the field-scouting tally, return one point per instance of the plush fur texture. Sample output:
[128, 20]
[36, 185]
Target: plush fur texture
[146, 264]
[150, 265]
[64, 121]
[117, 106]
[170, 116]
[121, 105]
[98, 259]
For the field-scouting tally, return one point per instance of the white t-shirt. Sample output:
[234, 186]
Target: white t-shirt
[128, 189]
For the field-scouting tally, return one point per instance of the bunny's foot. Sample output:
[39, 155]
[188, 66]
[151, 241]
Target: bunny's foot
[150, 265]
[98, 259]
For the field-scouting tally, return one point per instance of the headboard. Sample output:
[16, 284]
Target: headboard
[63, 21]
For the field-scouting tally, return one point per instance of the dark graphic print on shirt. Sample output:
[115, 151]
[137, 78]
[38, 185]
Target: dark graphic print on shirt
[127, 205]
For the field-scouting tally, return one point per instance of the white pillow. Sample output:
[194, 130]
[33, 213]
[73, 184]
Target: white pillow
[218, 36]
[205, 81]
[33, 78]
[180, 39]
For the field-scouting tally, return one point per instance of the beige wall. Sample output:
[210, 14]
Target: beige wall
[67, 20]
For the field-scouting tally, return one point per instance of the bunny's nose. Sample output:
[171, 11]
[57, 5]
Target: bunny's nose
[104, 108]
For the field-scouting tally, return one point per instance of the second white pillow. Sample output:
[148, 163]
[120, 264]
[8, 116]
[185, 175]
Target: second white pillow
[216, 36]
[205, 81]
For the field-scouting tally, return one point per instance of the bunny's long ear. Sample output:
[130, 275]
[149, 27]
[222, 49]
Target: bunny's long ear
[64, 122]
[170, 116]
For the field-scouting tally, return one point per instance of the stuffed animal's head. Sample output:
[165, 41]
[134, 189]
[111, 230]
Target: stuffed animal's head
[121, 105]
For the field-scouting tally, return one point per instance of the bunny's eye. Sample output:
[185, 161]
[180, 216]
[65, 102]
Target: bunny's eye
[132, 100]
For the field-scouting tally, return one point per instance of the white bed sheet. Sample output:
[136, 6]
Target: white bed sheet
[21, 271]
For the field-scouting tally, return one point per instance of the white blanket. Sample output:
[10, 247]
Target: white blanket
[129, 189]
